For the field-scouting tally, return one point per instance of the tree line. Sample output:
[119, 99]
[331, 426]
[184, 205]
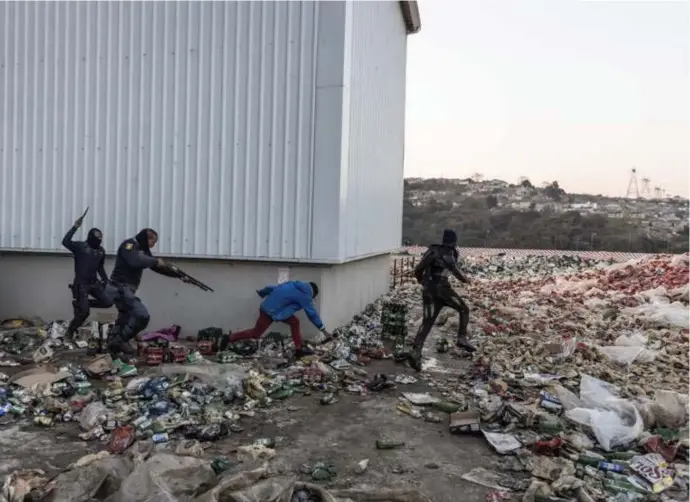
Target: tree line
[479, 223]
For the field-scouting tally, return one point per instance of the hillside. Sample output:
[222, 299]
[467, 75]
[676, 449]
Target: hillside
[495, 213]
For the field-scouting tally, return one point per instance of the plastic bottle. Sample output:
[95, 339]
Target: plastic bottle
[446, 406]
[220, 464]
[610, 466]
[549, 427]
[382, 444]
[43, 420]
[161, 437]
[159, 408]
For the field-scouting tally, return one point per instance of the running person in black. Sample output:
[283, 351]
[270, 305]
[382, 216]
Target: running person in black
[432, 272]
[89, 258]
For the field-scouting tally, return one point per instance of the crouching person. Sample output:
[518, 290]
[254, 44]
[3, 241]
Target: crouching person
[280, 304]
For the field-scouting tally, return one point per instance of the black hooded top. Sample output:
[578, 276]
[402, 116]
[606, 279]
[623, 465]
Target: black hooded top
[89, 257]
[440, 261]
[133, 256]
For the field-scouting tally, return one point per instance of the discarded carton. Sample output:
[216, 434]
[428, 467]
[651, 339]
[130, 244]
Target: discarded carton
[463, 422]
[34, 376]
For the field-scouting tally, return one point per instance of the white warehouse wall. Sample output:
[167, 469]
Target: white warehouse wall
[196, 119]
[239, 130]
[372, 219]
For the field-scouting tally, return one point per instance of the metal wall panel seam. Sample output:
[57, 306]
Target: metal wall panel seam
[312, 142]
[300, 109]
[4, 124]
[24, 146]
[213, 175]
[191, 228]
[248, 127]
[235, 125]
[34, 176]
[140, 136]
[272, 171]
[286, 121]
[223, 131]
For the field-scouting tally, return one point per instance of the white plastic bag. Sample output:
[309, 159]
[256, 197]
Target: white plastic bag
[220, 376]
[568, 400]
[662, 314]
[670, 409]
[629, 348]
[614, 421]
[93, 415]
[622, 355]
[656, 295]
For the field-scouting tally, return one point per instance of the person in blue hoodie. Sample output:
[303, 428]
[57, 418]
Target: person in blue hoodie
[280, 304]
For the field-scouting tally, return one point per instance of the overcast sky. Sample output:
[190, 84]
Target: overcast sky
[574, 91]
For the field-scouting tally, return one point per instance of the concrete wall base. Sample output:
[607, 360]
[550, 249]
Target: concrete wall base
[36, 285]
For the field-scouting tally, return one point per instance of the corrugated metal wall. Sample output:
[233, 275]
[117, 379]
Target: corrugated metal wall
[192, 118]
[372, 217]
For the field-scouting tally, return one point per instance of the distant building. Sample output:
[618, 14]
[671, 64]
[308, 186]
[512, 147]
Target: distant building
[521, 206]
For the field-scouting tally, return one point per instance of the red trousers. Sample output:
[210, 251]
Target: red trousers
[262, 324]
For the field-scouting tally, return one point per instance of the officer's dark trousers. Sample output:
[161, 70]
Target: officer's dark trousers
[132, 316]
[434, 298]
[82, 304]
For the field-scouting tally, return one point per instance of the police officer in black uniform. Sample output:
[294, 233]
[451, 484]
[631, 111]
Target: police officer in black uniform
[89, 258]
[432, 272]
[133, 256]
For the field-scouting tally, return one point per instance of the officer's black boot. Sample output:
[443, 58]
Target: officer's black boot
[114, 346]
[126, 347]
[118, 344]
[72, 328]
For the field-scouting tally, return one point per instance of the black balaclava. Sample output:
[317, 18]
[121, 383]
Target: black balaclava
[450, 238]
[94, 238]
[142, 238]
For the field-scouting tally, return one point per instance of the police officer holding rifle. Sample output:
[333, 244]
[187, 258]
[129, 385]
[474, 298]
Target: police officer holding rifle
[133, 256]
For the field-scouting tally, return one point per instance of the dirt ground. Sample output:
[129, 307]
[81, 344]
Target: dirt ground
[343, 433]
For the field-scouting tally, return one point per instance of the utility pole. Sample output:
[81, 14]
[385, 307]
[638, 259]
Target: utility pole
[633, 189]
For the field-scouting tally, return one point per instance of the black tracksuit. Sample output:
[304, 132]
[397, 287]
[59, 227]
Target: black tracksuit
[433, 271]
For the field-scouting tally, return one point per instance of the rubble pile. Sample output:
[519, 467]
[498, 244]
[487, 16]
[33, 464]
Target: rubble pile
[142, 474]
[580, 381]
[581, 374]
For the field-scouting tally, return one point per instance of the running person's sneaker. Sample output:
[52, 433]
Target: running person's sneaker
[463, 343]
[414, 358]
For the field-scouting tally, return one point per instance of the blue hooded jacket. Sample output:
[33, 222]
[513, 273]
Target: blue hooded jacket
[286, 299]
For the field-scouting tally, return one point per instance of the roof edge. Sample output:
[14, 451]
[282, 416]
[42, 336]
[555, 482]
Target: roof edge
[410, 13]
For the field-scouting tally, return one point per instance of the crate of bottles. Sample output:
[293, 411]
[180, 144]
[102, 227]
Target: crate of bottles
[394, 321]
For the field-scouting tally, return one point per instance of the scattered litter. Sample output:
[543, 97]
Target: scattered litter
[362, 466]
[486, 478]
[386, 444]
[464, 422]
[420, 399]
[580, 376]
[405, 379]
[504, 444]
